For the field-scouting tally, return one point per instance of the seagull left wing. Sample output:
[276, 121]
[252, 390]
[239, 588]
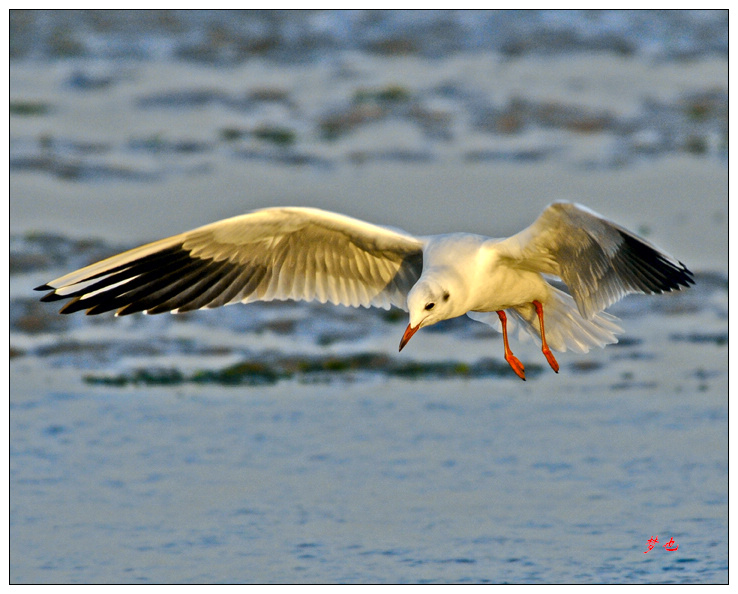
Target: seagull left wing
[274, 253]
[599, 261]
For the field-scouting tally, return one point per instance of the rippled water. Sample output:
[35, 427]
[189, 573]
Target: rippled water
[353, 473]
[450, 481]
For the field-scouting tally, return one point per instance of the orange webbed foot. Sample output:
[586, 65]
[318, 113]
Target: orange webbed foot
[516, 365]
[544, 346]
[551, 360]
[511, 359]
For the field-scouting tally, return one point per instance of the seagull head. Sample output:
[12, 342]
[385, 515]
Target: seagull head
[428, 303]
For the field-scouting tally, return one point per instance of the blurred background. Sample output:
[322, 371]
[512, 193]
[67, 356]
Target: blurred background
[290, 442]
[222, 103]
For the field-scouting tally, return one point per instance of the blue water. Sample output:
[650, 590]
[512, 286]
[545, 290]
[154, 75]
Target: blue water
[478, 481]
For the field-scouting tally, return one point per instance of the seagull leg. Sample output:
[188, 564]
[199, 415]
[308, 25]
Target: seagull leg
[512, 360]
[544, 347]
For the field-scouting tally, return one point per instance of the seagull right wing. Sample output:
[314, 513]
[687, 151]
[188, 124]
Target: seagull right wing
[599, 261]
[274, 253]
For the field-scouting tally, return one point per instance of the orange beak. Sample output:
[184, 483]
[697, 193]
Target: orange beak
[408, 335]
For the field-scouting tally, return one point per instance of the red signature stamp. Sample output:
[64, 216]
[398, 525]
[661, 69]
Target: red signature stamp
[669, 546]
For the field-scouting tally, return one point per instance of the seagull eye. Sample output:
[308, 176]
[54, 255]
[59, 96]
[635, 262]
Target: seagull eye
[430, 306]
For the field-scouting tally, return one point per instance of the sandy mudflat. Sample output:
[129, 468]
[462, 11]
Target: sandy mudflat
[671, 196]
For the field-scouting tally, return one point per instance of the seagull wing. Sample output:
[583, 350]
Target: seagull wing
[275, 253]
[599, 261]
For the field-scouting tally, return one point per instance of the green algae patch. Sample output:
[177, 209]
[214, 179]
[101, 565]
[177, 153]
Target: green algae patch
[312, 369]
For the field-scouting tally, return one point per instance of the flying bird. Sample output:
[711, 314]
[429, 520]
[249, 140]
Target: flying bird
[310, 254]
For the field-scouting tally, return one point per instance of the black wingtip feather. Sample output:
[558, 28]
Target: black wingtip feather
[70, 307]
[689, 275]
[162, 282]
[657, 274]
[52, 297]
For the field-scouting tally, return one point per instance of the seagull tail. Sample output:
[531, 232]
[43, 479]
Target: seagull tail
[566, 329]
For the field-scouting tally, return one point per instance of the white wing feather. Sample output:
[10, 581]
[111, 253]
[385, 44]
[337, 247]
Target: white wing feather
[275, 253]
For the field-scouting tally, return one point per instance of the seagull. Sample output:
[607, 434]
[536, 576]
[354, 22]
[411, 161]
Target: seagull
[295, 253]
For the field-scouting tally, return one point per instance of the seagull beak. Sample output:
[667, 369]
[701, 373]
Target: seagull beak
[408, 335]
